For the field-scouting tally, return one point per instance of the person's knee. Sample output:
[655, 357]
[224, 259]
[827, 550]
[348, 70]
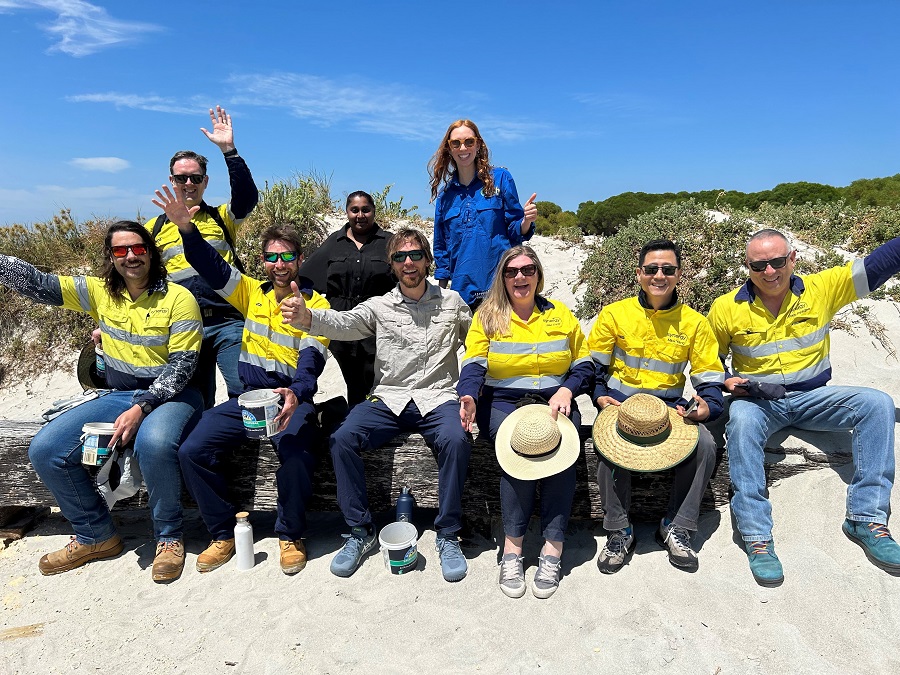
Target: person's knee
[43, 452]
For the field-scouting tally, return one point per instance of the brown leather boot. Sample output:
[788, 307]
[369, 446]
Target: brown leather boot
[169, 561]
[293, 556]
[75, 554]
[219, 552]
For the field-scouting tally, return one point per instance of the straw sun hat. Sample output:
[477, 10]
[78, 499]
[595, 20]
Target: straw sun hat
[644, 434]
[530, 445]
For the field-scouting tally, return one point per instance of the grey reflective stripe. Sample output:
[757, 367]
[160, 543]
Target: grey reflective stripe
[275, 338]
[309, 342]
[181, 275]
[269, 365]
[218, 244]
[613, 383]
[141, 372]
[655, 365]
[171, 252]
[186, 326]
[81, 290]
[707, 378]
[586, 359]
[792, 378]
[780, 346]
[602, 358]
[504, 347]
[536, 382]
[860, 279]
[233, 280]
[132, 339]
[477, 360]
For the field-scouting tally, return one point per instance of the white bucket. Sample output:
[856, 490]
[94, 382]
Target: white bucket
[398, 546]
[95, 443]
[259, 409]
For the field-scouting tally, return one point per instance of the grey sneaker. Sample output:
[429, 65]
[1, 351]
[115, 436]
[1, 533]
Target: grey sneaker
[619, 547]
[512, 575]
[546, 579]
[359, 542]
[677, 540]
[453, 562]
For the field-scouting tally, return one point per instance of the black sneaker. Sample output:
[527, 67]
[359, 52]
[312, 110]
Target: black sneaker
[618, 549]
[677, 541]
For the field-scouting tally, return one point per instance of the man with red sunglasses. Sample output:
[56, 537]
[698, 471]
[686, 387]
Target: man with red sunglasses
[222, 323]
[776, 328]
[151, 333]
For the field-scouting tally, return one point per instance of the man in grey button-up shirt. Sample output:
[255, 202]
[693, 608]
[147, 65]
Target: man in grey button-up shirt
[418, 329]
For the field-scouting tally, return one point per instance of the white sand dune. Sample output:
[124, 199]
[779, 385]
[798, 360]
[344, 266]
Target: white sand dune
[835, 612]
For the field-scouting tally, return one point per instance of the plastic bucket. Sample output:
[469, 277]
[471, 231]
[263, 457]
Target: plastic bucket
[100, 361]
[95, 443]
[258, 410]
[398, 545]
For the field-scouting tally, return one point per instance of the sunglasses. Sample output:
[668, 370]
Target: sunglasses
[195, 178]
[415, 256]
[286, 256]
[776, 263]
[456, 143]
[512, 272]
[651, 270]
[122, 251]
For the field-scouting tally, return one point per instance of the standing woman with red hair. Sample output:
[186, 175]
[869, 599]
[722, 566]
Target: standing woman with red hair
[477, 216]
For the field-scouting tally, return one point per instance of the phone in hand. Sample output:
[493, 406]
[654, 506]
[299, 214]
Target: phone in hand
[691, 407]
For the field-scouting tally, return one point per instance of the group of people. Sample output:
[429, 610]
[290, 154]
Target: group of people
[173, 301]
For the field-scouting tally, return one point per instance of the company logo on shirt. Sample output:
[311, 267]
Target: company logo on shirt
[158, 313]
[799, 306]
[553, 322]
[680, 339]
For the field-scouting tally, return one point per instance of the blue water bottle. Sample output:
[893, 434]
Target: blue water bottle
[405, 504]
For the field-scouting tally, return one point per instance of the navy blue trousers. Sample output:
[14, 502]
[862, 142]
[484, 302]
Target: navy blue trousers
[370, 425]
[218, 434]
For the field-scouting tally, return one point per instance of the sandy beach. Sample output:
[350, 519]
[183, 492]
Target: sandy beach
[835, 612]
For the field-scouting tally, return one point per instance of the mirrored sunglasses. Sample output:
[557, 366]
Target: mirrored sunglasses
[122, 251]
[286, 256]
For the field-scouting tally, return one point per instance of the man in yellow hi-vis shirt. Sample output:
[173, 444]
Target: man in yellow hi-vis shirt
[776, 327]
[151, 334]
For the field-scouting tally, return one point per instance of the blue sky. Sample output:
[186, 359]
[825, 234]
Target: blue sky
[580, 100]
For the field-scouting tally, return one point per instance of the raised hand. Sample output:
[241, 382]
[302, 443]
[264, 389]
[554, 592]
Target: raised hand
[530, 213]
[293, 309]
[174, 206]
[222, 133]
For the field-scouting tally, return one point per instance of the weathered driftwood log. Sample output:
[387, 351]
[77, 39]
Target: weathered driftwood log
[408, 461]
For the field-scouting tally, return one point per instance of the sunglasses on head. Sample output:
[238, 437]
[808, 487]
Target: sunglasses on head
[195, 178]
[401, 256]
[776, 263]
[526, 270]
[122, 251]
[286, 256]
[456, 143]
[651, 270]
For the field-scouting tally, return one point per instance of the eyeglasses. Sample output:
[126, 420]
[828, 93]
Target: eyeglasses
[195, 178]
[761, 265]
[456, 143]
[286, 256]
[122, 251]
[526, 270]
[651, 270]
[415, 256]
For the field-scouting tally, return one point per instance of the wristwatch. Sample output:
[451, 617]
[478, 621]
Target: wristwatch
[146, 407]
[230, 153]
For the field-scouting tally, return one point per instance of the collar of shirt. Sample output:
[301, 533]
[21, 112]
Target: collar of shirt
[642, 299]
[431, 291]
[747, 292]
[376, 233]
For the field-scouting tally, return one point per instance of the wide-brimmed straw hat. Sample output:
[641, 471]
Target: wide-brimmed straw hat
[644, 434]
[531, 445]
[87, 369]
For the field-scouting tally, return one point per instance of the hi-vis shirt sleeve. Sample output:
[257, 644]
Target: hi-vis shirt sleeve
[185, 338]
[474, 363]
[600, 344]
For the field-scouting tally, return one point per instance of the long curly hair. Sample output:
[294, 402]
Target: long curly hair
[496, 310]
[114, 281]
[439, 166]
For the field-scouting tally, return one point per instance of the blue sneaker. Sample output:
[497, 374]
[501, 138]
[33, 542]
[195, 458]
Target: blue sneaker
[453, 562]
[764, 564]
[875, 539]
[359, 542]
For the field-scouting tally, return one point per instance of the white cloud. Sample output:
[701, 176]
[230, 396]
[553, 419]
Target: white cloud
[150, 102]
[82, 28]
[107, 164]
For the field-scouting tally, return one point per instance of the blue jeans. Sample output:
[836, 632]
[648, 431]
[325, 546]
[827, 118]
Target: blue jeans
[517, 496]
[219, 433]
[868, 413]
[222, 346]
[371, 424]
[55, 453]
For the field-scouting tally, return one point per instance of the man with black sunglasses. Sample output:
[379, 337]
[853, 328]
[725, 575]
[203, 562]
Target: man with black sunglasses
[222, 324]
[273, 356]
[644, 345]
[776, 328]
[418, 328]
